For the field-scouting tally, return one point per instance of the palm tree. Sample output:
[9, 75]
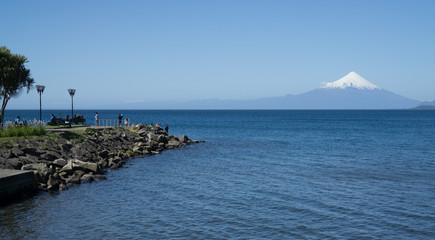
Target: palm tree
[13, 77]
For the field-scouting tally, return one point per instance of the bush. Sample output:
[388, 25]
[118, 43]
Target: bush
[12, 131]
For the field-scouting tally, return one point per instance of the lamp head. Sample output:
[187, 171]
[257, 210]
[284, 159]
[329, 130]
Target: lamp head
[71, 91]
[40, 88]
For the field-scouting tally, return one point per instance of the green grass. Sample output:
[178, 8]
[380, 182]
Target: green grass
[12, 131]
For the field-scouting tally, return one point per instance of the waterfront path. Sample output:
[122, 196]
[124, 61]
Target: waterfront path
[68, 129]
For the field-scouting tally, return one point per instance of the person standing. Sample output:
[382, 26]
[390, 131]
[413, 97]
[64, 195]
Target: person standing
[97, 119]
[166, 128]
[120, 120]
[126, 122]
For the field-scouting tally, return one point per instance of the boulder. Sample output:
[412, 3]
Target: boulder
[138, 126]
[51, 156]
[40, 167]
[183, 139]
[162, 139]
[17, 152]
[99, 177]
[53, 183]
[5, 163]
[142, 132]
[62, 187]
[86, 178]
[79, 153]
[65, 148]
[63, 175]
[173, 143]
[136, 149]
[60, 162]
[68, 168]
[74, 178]
[85, 166]
[31, 151]
[6, 153]
[104, 154]
[103, 163]
[15, 163]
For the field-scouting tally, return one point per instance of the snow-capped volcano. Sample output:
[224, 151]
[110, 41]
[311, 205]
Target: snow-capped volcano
[350, 92]
[352, 80]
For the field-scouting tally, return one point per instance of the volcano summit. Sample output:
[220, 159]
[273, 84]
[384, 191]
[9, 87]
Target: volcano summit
[354, 80]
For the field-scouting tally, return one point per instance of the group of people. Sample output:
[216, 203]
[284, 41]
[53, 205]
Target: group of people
[77, 118]
[158, 125]
[120, 122]
[126, 122]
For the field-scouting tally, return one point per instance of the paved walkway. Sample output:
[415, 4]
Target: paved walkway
[67, 129]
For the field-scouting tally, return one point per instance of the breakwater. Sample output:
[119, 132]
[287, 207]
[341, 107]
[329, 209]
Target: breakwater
[60, 160]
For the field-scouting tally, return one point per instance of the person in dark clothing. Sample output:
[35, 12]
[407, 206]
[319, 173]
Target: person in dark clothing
[120, 120]
[166, 128]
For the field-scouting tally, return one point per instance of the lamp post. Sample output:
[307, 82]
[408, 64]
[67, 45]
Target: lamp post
[71, 93]
[40, 89]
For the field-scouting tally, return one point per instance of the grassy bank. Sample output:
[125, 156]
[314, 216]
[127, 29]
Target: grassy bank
[12, 131]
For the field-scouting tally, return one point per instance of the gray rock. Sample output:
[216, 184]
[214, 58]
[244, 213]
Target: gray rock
[74, 178]
[173, 143]
[104, 154]
[40, 167]
[17, 152]
[85, 166]
[5, 163]
[99, 177]
[68, 168]
[6, 153]
[87, 178]
[63, 175]
[78, 152]
[15, 163]
[103, 163]
[51, 156]
[62, 187]
[183, 139]
[65, 148]
[60, 162]
[31, 151]
[53, 183]
[162, 139]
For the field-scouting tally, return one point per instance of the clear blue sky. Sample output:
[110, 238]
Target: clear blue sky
[116, 52]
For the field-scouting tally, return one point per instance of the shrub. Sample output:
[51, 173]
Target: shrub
[12, 131]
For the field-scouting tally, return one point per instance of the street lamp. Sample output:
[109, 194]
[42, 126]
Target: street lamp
[40, 89]
[71, 92]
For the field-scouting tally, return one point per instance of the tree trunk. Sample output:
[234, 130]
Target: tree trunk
[2, 112]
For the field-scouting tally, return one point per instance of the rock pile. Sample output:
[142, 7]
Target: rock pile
[59, 161]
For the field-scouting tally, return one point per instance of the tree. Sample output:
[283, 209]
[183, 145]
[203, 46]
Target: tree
[14, 76]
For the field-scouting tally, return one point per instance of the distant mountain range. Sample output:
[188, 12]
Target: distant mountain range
[350, 92]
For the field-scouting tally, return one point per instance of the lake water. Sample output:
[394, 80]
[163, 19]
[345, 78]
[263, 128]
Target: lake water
[259, 175]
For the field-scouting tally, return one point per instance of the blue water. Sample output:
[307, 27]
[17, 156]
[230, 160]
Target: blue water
[260, 175]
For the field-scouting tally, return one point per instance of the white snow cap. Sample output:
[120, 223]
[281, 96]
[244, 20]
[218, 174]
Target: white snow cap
[352, 80]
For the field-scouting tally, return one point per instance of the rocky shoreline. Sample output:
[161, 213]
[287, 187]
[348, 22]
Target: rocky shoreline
[63, 159]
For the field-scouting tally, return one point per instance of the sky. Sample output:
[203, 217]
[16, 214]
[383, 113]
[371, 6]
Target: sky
[116, 53]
